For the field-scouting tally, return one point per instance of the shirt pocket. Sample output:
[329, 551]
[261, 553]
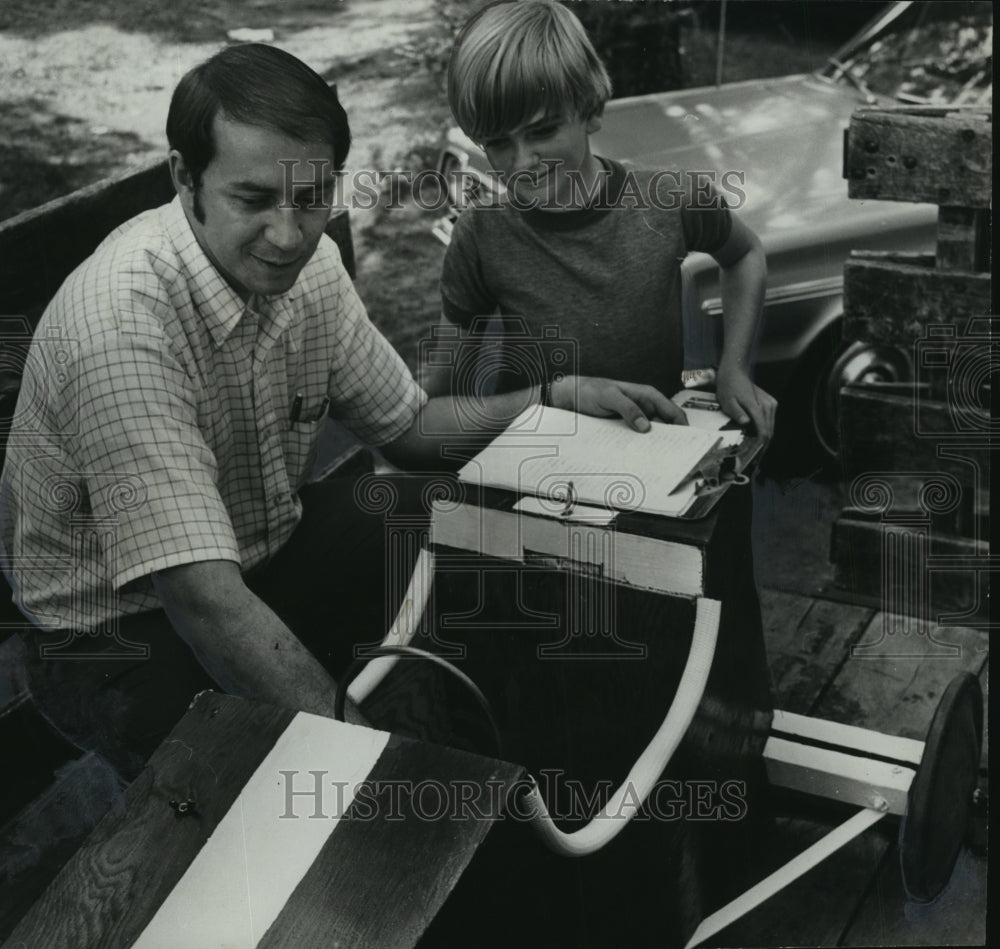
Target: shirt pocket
[301, 435]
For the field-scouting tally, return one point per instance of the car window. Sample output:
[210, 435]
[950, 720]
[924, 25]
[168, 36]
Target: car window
[933, 53]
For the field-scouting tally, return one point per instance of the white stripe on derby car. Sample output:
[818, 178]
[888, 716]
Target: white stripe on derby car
[239, 881]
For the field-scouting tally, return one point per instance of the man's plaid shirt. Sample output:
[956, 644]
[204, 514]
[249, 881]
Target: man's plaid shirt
[154, 423]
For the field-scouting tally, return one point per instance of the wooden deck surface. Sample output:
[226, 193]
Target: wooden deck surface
[856, 897]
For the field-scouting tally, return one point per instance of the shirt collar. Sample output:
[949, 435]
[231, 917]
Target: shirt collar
[609, 192]
[216, 301]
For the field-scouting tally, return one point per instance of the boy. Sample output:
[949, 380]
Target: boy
[579, 242]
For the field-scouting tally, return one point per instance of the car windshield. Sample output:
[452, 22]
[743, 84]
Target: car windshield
[934, 53]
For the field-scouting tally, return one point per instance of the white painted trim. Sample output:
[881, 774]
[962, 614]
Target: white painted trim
[848, 736]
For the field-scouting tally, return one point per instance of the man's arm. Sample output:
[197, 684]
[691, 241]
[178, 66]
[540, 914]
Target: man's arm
[435, 377]
[447, 421]
[241, 642]
[743, 278]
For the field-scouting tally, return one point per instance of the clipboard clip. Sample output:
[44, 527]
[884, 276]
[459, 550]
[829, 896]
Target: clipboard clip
[569, 501]
[718, 469]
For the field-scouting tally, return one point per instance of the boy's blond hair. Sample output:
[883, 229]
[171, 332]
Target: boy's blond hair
[512, 60]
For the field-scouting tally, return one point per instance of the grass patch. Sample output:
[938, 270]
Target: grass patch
[399, 265]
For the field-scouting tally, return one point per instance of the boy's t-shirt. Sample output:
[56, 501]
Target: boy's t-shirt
[608, 276]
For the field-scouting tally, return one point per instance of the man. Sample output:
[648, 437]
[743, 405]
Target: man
[155, 489]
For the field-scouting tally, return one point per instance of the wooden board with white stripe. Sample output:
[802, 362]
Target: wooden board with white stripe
[299, 831]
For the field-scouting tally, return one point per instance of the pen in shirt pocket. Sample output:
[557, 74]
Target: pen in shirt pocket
[310, 416]
[296, 407]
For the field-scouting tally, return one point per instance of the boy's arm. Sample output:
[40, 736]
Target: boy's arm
[743, 277]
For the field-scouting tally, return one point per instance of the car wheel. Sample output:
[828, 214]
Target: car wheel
[850, 363]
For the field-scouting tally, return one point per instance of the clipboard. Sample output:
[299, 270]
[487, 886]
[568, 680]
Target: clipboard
[723, 466]
[718, 471]
[567, 460]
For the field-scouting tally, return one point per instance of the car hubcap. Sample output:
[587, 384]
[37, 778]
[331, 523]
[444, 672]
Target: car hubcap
[858, 363]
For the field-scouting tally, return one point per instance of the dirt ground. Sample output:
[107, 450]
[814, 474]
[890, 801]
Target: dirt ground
[85, 93]
[96, 94]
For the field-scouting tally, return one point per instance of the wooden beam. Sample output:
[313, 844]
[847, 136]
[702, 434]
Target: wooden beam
[39, 840]
[848, 778]
[911, 571]
[895, 298]
[963, 239]
[39, 248]
[905, 442]
[944, 159]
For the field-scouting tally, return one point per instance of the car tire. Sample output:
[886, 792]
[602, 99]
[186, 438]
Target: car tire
[812, 417]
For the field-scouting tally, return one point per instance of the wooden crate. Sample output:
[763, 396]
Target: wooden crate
[913, 534]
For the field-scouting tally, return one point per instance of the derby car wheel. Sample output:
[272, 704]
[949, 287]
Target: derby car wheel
[941, 798]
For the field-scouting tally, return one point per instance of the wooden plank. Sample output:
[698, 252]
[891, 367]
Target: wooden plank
[36, 844]
[956, 918]
[39, 248]
[963, 239]
[298, 795]
[847, 737]
[817, 908]
[807, 653]
[781, 614]
[848, 778]
[894, 446]
[114, 883]
[898, 695]
[893, 298]
[908, 569]
[384, 873]
[892, 155]
[318, 832]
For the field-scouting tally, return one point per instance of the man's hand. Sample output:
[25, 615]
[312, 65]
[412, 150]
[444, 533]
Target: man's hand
[744, 402]
[636, 404]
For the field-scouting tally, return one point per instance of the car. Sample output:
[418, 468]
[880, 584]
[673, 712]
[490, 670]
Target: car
[781, 141]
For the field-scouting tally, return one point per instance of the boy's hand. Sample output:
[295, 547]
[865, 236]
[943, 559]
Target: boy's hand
[744, 402]
[636, 404]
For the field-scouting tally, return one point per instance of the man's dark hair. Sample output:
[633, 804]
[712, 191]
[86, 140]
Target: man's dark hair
[257, 85]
